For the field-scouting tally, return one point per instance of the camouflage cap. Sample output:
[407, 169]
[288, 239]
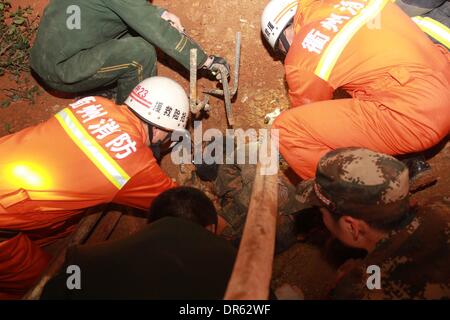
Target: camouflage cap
[360, 183]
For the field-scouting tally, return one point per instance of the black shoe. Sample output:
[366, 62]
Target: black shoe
[421, 174]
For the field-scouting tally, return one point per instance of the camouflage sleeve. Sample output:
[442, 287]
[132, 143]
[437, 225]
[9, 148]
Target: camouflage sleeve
[146, 20]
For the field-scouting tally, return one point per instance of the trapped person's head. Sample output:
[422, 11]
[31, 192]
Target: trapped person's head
[186, 203]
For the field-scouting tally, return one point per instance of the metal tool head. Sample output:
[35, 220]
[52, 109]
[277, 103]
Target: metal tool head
[227, 93]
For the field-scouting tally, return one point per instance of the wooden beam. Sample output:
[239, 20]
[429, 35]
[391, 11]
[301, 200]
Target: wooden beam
[252, 271]
[105, 227]
[128, 225]
[84, 229]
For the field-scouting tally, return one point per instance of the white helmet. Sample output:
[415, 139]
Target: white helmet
[160, 101]
[276, 17]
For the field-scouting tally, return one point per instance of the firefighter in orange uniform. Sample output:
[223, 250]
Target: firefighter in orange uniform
[397, 78]
[90, 153]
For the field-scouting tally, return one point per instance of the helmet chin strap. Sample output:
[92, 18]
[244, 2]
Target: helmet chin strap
[284, 41]
[155, 147]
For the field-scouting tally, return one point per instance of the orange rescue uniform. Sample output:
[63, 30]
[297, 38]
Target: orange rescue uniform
[398, 80]
[91, 153]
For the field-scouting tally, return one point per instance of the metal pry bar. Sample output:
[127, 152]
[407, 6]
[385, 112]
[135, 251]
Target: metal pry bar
[237, 65]
[226, 92]
[193, 81]
[195, 108]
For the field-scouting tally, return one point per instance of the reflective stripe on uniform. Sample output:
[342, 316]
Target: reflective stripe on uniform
[337, 45]
[101, 159]
[434, 29]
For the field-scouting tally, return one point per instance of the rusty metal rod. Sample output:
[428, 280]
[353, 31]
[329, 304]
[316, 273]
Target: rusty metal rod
[193, 81]
[195, 106]
[225, 92]
[227, 95]
[237, 63]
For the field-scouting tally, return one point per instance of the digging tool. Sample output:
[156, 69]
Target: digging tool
[227, 93]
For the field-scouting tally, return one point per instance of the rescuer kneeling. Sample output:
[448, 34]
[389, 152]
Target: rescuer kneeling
[364, 200]
[92, 152]
[397, 79]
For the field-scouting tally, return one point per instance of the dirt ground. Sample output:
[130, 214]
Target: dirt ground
[213, 24]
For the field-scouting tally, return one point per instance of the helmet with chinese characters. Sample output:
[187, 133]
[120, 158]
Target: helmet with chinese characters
[276, 17]
[161, 102]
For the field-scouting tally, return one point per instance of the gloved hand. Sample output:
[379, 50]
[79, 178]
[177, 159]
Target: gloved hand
[213, 64]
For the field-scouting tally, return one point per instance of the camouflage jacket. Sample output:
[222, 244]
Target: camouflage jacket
[414, 261]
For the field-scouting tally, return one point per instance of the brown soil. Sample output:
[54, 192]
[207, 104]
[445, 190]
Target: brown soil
[213, 24]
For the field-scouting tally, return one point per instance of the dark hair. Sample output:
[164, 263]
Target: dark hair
[186, 203]
[385, 226]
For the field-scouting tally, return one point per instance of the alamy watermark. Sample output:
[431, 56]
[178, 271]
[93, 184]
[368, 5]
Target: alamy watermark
[73, 21]
[73, 281]
[235, 146]
[374, 280]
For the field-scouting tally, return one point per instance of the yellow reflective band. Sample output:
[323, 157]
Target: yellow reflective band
[434, 29]
[101, 159]
[343, 37]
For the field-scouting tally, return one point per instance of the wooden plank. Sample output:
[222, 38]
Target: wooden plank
[79, 236]
[252, 271]
[128, 224]
[105, 227]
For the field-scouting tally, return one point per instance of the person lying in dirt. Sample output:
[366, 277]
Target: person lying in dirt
[93, 152]
[177, 256]
[232, 184]
[364, 200]
[397, 79]
[94, 44]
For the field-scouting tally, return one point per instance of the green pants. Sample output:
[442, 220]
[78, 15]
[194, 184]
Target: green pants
[123, 62]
